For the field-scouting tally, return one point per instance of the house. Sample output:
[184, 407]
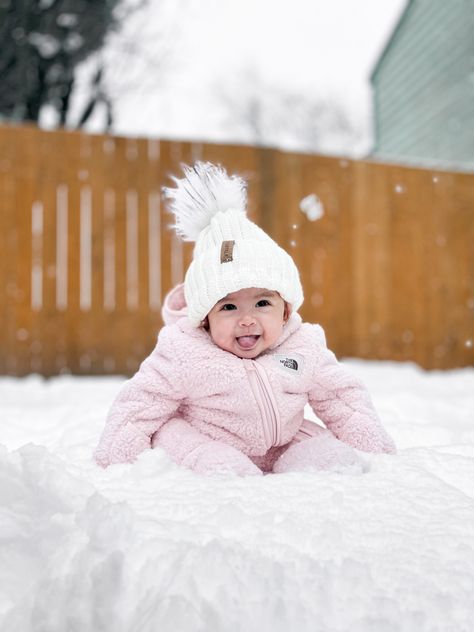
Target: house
[423, 86]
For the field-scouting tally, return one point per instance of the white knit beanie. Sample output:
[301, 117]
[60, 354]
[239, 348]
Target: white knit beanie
[231, 252]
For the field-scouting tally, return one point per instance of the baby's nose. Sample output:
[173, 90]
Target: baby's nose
[247, 319]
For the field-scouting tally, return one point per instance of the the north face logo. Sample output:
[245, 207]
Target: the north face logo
[293, 365]
[290, 363]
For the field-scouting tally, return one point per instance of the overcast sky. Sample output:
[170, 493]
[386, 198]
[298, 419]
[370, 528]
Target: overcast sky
[318, 47]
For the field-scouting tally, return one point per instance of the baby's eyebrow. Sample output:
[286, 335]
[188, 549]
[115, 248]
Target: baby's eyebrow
[226, 298]
[269, 294]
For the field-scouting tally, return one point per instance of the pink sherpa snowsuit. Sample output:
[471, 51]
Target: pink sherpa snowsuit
[211, 410]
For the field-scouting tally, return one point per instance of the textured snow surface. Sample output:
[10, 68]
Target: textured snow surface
[149, 546]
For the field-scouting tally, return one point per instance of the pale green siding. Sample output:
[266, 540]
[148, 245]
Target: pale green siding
[424, 86]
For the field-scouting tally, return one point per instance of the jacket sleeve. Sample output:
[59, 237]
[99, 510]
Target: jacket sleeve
[343, 403]
[144, 404]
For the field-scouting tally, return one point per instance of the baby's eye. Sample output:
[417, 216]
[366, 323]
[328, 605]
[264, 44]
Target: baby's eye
[228, 306]
[263, 303]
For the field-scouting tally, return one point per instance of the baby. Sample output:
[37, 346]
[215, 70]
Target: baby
[234, 366]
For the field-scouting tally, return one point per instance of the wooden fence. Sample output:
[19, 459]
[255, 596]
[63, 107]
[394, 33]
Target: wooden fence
[86, 253]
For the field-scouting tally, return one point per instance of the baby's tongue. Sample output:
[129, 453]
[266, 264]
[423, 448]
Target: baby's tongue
[247, 341]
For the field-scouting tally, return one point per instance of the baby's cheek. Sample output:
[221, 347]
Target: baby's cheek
[221, 340]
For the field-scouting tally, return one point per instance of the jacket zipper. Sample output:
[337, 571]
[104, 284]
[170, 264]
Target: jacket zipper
[263, 393]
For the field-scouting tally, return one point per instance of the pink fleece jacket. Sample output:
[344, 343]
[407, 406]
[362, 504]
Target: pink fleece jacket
[190, 392]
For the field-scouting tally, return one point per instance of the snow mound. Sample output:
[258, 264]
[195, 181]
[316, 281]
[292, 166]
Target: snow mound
[151, 546]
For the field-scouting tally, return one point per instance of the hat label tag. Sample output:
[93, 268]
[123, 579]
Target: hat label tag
[291, 364]
[227, 251]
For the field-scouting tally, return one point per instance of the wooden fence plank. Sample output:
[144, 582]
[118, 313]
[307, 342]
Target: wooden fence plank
[93, 324]
[9, 247]
[48, 324]
[22, 257]
[322, 239]
[463, 302]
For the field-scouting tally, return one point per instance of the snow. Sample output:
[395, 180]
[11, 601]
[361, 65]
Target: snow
[312, 207]
[151, 546]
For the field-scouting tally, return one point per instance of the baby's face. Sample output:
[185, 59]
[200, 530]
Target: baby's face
[247, 322]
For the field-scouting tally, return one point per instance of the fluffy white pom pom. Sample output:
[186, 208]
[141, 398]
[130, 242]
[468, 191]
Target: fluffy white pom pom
[205, 190]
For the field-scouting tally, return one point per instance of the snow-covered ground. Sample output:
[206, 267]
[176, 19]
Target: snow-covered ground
[152, 547]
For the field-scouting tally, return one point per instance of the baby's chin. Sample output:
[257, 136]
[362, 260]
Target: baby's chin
[249, 355]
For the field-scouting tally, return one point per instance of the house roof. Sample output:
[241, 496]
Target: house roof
[392, 38]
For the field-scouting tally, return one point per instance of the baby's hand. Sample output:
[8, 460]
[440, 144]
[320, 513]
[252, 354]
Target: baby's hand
[323, 452]
[217, 457]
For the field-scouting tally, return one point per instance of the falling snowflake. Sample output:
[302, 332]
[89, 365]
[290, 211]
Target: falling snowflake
[312, 207]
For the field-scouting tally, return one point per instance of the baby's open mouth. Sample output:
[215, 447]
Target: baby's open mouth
[247, 342]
